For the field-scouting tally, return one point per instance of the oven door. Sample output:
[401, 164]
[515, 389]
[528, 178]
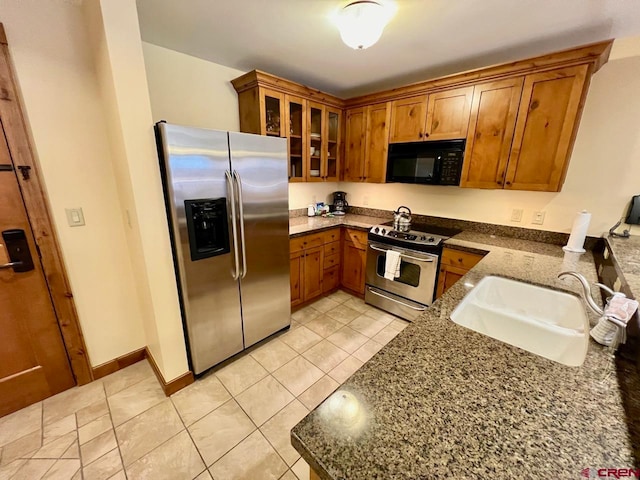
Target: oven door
[417, 278]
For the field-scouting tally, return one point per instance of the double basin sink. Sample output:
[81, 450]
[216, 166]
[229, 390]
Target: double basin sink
[540, 320]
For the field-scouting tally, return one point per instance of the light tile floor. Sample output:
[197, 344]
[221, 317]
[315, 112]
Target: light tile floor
[233, 423]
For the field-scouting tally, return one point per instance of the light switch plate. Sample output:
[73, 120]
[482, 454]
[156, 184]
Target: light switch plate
[75, 217]
[538, 218]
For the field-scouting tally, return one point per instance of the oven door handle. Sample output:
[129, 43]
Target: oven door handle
[385, 250]
[397, 301]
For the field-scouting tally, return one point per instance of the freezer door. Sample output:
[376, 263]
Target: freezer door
[199, 198]
[259, 165]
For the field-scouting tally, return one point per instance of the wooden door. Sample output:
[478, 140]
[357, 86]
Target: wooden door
[313, 272]
[316, 133]
[493, 121]
[296, 262]
[355, 148]
[273, 113]
[545, 129]
[33, 359]
[377, 142]
[448, 114]
[353, 267]
[408, 119]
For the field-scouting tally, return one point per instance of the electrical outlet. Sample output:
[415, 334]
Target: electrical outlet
[538, 218]
[516, 215]
[365, 200]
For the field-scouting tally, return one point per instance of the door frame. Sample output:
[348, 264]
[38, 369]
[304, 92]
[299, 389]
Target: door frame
[13, 124]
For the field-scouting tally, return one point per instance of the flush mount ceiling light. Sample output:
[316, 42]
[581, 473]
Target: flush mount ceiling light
[361, 23]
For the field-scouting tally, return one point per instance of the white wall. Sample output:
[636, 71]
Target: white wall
[49, 46]
[602, 176]
[190, 91]
[118, 53]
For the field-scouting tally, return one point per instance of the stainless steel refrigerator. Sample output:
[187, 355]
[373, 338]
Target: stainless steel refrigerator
[227, 202]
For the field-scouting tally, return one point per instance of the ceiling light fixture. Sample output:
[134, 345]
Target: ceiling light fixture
[361, 23]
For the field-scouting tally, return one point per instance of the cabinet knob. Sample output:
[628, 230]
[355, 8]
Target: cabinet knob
[426, 135]
[499, 182]
[508, 183]
[460, 260]
[420, 135]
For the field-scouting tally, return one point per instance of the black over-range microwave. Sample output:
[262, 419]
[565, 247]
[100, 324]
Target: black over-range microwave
[429, 163]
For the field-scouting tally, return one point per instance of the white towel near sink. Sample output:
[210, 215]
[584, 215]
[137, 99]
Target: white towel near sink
[392, 265]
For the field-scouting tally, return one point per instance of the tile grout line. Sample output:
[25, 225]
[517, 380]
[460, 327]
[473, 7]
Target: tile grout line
[206, 468]
[115, 435]
[75, 416]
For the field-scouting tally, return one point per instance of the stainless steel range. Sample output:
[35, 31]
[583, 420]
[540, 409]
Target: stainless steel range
[413, 290]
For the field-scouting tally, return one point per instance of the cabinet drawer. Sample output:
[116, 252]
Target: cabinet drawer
[331, 260]
[460, 259]
[331, 279]
[332, 235]
[308, 241]
[357, 237]
[331, 248]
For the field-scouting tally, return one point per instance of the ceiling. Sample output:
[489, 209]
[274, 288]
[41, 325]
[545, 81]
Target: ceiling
[296, 39]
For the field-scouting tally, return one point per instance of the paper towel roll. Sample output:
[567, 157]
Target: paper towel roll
[578, 233]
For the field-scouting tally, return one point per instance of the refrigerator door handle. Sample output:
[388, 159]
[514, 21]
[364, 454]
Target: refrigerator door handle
[236, 176]
[231, 196]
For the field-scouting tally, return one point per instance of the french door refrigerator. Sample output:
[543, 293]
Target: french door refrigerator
[227, 200]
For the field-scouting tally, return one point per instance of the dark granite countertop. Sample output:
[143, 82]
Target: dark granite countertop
[442, 401]
[304, 225]
[626, 252]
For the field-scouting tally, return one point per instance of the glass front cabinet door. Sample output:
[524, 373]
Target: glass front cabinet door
[296, 125]
[272, 108]
[332, 147]
[316, 129]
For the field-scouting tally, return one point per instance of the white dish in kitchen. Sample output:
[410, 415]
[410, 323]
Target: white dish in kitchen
[315, 173]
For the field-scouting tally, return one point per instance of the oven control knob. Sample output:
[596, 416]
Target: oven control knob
[384, 231]
[423, 237]
[431, 239]
[376, 230]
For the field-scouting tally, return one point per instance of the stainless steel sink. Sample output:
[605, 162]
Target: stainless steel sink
[539, 320]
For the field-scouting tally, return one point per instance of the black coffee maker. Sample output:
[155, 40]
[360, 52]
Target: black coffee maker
[340, 203]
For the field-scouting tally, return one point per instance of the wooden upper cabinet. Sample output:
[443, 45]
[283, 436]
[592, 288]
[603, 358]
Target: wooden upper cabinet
[332, 154]
[273, 113]
[448, 114]
[545, 129]
[408, 118]
[377, 142]
[493, 120]
[297, 144]
[355, 144]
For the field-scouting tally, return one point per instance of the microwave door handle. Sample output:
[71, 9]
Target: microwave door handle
[231, 200]
[236, 176]
[384, 250]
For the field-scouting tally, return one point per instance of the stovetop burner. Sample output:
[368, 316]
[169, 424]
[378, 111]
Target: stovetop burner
[420, 237]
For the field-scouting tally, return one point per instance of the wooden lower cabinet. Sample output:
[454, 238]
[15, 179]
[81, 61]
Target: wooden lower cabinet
[354, 260]
[453, 266]
[331, 279]
[296, 262]
[313, 272]
[315, 265]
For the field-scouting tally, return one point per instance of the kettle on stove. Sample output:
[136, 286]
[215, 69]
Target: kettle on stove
[402, 219]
